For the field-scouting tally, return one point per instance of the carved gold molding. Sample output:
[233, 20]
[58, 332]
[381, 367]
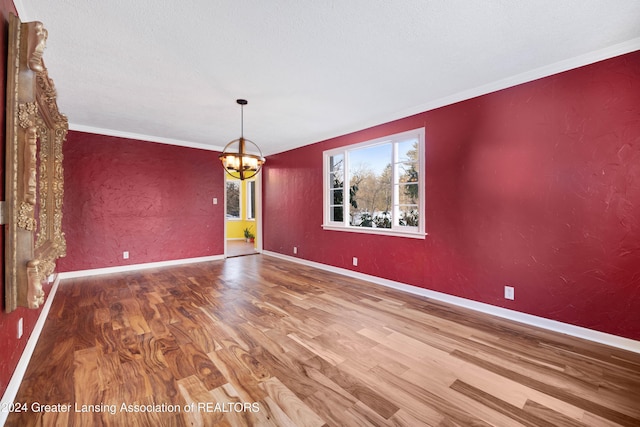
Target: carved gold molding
[36, 131]
[36, 45]
[27, 118]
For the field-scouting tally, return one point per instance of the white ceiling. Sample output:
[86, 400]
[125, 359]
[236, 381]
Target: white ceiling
[170, 71]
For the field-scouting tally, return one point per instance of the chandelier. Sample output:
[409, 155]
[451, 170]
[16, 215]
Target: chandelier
[236, 160]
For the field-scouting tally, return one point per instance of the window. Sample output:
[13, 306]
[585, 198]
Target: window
[251, 199]
[377, 186]
[233, 199]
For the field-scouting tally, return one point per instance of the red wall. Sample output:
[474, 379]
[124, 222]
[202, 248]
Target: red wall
[153, 200]
[536, 186]
[11, 348]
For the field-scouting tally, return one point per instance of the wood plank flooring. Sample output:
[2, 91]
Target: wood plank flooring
[240, 248]
[258, 341]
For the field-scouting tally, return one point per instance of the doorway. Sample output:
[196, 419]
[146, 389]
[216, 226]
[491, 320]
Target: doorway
[243, 226]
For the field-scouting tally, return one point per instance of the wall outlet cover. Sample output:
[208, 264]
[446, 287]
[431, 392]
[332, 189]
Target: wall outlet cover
[509, 292]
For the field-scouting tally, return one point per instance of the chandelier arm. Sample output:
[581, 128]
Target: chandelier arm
[241, 154]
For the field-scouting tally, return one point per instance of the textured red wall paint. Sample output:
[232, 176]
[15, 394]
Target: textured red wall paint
[11, 348]
[153, 200]
[536, 186]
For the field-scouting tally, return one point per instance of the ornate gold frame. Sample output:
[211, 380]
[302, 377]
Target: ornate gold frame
[36, 131]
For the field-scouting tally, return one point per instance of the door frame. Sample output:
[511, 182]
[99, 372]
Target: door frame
[257, 213]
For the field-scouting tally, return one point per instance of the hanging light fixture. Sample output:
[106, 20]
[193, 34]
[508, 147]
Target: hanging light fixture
[236, 160]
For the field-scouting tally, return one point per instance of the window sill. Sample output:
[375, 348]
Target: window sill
[377, 231]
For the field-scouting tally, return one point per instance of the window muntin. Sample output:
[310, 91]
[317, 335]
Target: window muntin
[385, 191]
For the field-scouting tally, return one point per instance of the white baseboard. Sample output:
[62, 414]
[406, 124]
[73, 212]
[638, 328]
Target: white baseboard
[528, 319]
[135, 267]
[16, 379]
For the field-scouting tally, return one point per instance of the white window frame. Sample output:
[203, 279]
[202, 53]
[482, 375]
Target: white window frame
[249, 211]
[395, 230]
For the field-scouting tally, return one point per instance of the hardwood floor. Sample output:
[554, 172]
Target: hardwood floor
[240, 248]
[264, 342]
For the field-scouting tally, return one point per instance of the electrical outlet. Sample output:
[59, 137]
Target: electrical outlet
[509, 292]
[125, 255]
[355, 261]
[215, 200]
[295, 250]
[20, 328]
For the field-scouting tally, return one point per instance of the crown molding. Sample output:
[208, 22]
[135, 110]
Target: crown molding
[142, 137]
[526, 77]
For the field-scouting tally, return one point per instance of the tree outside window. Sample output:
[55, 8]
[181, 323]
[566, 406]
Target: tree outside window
[233, 199]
